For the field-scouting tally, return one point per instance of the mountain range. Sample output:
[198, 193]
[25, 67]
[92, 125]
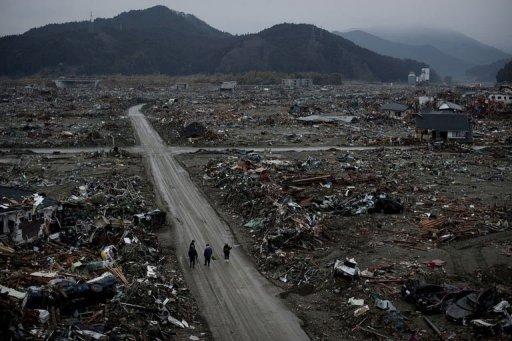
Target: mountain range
[440, 61]
[488, 72]
[451, 42]
[505, 74]
[448, 52]
[160, 40]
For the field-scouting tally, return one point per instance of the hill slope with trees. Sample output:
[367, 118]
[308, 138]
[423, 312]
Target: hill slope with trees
[160, 40]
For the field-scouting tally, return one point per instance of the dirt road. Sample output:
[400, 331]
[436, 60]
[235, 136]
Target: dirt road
[238, 302]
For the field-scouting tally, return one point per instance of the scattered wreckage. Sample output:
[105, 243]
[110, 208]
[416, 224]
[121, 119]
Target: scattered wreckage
[289, 204]
[99, 273]
[25, 215]
[96, 274]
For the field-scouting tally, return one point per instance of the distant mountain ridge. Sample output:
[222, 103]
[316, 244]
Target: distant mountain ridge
[159, 40]
[486, 73]
[299, 47]
[453, 43]
[147, 19]
[155, 40]
[438, 60]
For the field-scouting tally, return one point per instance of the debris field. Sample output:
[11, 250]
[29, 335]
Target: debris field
[97, 269]
[371, 225]
[36, 116]
[345, 115]
[343, 231]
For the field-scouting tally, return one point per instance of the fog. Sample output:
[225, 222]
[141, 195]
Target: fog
[486, 20]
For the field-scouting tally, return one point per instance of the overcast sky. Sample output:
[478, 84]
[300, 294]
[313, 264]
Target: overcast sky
[489, 21]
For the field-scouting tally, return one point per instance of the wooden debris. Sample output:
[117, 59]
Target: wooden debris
[434, 327]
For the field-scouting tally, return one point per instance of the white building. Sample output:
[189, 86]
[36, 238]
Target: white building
[228, 86]
[424, 100]
[424, 75]
[504, 98]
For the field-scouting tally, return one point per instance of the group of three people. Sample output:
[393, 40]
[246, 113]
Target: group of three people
[208, 254]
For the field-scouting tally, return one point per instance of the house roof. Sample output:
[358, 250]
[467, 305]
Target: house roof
[442, 121]
[13, 198]
[450, 106]
[228, 85]
[394, 106]
[499, 94]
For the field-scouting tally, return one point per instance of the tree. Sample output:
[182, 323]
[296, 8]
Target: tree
[505, 74]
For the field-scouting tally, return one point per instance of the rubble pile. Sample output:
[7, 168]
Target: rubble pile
[98, 271]
[284, 203]
[482, 309]
[388, 300]
[349, 114]
[342, 231]
[407, 240]
[260, 116]
[41, 116]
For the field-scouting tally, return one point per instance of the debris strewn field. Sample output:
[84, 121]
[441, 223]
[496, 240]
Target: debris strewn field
[98, 270]
[442, 218]
[343, 115]
[388, 236]
[40, 116]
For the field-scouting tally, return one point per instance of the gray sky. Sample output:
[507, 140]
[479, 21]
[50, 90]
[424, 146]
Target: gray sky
[489, 21]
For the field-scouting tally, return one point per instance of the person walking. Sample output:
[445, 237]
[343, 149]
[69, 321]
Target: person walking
[227, 250]
[208, 252]
[192, 254]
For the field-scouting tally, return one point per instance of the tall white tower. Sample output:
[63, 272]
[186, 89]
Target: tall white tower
[425, 74]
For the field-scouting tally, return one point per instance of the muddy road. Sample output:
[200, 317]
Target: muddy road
[238, 302]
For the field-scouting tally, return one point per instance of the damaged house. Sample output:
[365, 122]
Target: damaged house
[297, 82]
[228, 86]
[449, 106]
[394, 110]
[442, 125]
[25, 215]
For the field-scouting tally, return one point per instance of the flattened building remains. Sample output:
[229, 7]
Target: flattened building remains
[228, 86]
[25, 215]
[297, 82]
[394, 109]
[332, 182]
[66, 83]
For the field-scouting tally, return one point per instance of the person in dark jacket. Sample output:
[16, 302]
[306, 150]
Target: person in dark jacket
[227, 250]
[208, 251]
[192, 254]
